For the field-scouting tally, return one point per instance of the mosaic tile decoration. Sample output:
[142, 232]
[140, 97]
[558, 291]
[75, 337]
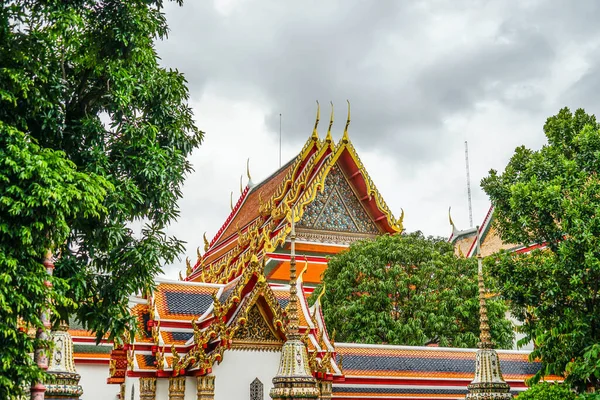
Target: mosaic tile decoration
[337, 208]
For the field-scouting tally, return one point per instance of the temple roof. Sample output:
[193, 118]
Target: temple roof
[465, 240]
[403, 372]
[188, 326]
[260, 220]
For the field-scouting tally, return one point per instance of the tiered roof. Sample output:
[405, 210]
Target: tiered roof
[259, 223]
[188, 326]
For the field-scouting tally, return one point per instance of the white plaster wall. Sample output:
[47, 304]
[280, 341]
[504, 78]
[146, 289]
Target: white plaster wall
[518, 336]
[239, 368]
[132, 385]
[162, 389]
[93, 382]
[191, 388]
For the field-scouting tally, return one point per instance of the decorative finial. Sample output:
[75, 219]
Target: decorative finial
[231, 201]
[294, 379]
[400, 221]
[300, 277]
[345, 138]
[206, 244]
[315, 134]
[450, 218]
[250, 184]
[241, 189]
[488, 382]
[322, 293]
[328, 137]
[188, 269]
[484, 327]
[293, 303]
[198, 254]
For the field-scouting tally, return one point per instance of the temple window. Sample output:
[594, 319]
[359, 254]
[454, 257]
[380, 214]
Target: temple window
[256, 390]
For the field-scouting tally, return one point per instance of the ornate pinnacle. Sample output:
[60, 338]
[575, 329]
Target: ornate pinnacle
[488, 382]
[328, 137]
[345, 138]
[484, 327]
[315, 134]
[293, 304]
[294, 379]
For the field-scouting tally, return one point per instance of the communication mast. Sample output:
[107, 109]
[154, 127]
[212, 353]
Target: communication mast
[468, 184]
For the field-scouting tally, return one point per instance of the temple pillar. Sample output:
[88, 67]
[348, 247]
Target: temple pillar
[206, 387]
[326, 388]
[147, 388]
[177, 388]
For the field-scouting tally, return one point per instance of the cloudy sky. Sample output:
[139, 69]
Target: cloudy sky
[422, 77]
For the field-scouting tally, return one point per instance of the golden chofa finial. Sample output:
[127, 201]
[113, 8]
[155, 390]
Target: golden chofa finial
[250, 184]
[328, 137]
[300, 277]
[450, 218]
[206, 244]
[345, 138]
[315, 134]
[231, 201]
[322, 293]
[241, 188]
[400, 221]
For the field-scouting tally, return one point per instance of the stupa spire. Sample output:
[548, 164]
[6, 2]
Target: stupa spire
[294, 380]
[488, 383]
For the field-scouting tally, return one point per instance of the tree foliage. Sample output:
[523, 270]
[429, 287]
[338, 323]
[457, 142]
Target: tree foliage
[407, 290]
[94, 134]
[552, 197]
[548, 391]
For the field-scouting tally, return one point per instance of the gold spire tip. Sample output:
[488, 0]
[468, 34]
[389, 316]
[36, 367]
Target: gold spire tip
[315, 134]
[231, 201]
[206, 244]
[345, 135]
[450, 217]
[248, 172]
[328, 138]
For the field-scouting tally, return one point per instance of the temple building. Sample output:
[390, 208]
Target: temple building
[218, 332]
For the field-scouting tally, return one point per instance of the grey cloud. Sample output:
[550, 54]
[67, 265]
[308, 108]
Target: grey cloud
[408, 68]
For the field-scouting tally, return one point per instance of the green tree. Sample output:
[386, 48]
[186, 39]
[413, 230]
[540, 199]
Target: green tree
[552, 197]
[548, 391]
[94, 135]
[407, 290]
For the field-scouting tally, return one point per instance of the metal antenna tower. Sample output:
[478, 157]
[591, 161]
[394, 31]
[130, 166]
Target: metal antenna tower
[468, 185]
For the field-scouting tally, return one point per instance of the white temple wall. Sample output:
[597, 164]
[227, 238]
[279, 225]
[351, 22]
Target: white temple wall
[191, 388]
[239, 368]
[162, 388]
[132, 385]
[93, 382]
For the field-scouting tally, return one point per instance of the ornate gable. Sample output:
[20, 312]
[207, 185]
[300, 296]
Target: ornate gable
[256, 329]
[337, 208]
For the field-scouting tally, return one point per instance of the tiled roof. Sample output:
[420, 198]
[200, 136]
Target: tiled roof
[182, 301]
[424, 362]
[249, 210]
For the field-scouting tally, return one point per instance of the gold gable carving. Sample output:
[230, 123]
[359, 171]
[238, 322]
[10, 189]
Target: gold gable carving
[256, 329]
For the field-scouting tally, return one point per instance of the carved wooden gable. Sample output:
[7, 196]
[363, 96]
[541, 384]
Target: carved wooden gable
[337, 208]
[256, 329]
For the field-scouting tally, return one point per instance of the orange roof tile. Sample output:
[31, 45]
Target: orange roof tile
[249, 210]
[183, 302]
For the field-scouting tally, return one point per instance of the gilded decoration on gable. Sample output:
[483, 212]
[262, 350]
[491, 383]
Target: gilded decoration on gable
[256, 328]
[337, 208]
